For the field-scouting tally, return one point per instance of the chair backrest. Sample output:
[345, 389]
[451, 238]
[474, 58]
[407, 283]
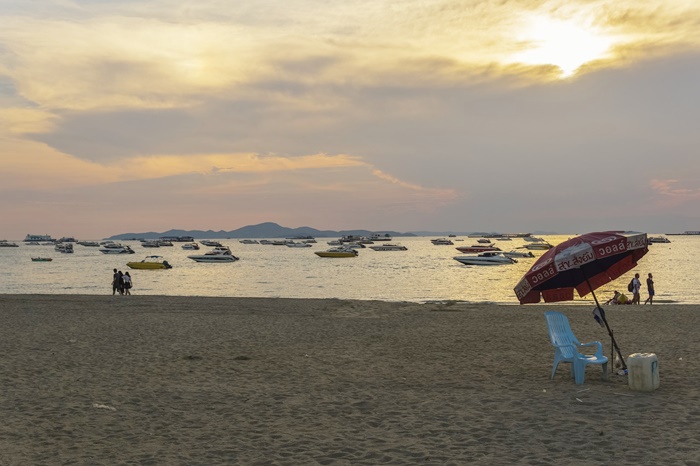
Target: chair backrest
[560, 333]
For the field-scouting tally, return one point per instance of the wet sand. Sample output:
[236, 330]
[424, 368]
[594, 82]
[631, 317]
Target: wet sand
[168, 380]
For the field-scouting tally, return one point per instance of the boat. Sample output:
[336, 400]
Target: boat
[658, 239]
[533, 239]
[441, 242]
[5, 244]
[515, 253]
[164, 242]
[686, 232]
[66, 248]
[191, 246]
[539, 246]
[37, 238]
[150, 243]
[116, 249]
[150, 263]
[355, 245]
[177, 239]
[218, 254]
[211, 243]
[67, 239]
[389, 247]
[91, 244]
[41, 259]
[248, 241]
[335, 242]
[292, 244]
[378, 237]
[478, 248]
[486, 258]
[337, 252]
[483, 241]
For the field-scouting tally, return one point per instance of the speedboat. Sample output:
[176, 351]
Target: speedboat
[337, 252]
[218, 254]
[478, 248]
[441, 242]
[66, 248]
[483, 241]
[378, 237]
[5, 244]
[117, 250]
[91, 244]
[248, 241]
[389, 247]
[210, 243]
[41, 259]
[293, 244]
[658, 239]
[191, 246]
[540, 246]
[515, 253]
[486, 258]
[150, 263]
[150, 243]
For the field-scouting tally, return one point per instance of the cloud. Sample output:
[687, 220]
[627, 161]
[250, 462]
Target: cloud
[671, 194]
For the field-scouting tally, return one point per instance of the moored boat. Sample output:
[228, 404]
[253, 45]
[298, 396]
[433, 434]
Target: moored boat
[486, 258]
[389, 247]
[117, 249]
[218, 254]
[66, 248]
[150, 263]
[337, 252]
[191, 246]
[41, 259]
[6, 244]
[478, 248]
[515, 253]
[441, 242]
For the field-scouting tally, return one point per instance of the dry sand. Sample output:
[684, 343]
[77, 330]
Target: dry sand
[167, 380]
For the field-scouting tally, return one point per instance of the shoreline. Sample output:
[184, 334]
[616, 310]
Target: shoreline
[214, 380]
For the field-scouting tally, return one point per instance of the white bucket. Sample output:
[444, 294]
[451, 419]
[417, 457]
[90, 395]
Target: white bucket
[643, 372]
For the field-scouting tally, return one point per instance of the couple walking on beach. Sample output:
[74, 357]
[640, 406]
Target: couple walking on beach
[636, 286]
[121, 282]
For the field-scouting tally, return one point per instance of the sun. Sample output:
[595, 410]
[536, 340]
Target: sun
[564, 44]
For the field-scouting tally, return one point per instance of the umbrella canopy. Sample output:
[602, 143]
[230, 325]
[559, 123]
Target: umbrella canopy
[583, 263]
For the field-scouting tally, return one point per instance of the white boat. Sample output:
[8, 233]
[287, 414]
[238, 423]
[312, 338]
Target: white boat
[483, 241]
[66, 248]
[378, 237]
[218, 254]
[248, 241]
[335, 242]
[515, 253]
[389, 247]
[35, 238]
[211, 243]
[533, 239]
[191, 246]
[5, 244]
[658, 239]
[355, 245]
[539, 246]
[116, 249]
[91, 244]
[441, 242]
[486, 258]
[293, 244]
[150, 243]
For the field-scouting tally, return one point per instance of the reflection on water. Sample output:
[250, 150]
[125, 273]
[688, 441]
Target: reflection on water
[423, 273]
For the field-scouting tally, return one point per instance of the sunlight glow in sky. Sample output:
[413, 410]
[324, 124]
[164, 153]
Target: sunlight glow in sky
[563, 44]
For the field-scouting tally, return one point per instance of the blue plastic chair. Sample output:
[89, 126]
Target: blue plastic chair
[566, 347]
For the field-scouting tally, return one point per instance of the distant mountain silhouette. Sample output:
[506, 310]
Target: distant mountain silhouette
[262, 230]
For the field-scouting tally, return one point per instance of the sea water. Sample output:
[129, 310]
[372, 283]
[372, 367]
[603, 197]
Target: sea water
[423, 273]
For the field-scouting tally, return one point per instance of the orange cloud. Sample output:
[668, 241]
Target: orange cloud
[670, 193]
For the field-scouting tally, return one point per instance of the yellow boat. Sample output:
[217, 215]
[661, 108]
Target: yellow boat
[150, 263]
[337, 252]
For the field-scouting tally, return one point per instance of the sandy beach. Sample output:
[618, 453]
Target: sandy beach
[168, 380]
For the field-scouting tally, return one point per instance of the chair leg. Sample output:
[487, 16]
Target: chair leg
[605, 370]
[554, 368]
[579, 372]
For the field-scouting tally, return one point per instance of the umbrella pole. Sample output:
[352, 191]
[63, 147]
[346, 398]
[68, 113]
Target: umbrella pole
[610, 332]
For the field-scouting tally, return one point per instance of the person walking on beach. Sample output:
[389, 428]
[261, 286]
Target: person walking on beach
[636, 288]
[127, 283]
[650, 288]
[115, 282]
[120, 282]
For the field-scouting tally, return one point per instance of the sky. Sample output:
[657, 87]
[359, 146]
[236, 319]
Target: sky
[404, 115]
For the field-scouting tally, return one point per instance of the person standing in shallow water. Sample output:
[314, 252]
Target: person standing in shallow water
[650, 289]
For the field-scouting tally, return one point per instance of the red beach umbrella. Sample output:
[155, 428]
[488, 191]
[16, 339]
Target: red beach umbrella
[583, 263]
